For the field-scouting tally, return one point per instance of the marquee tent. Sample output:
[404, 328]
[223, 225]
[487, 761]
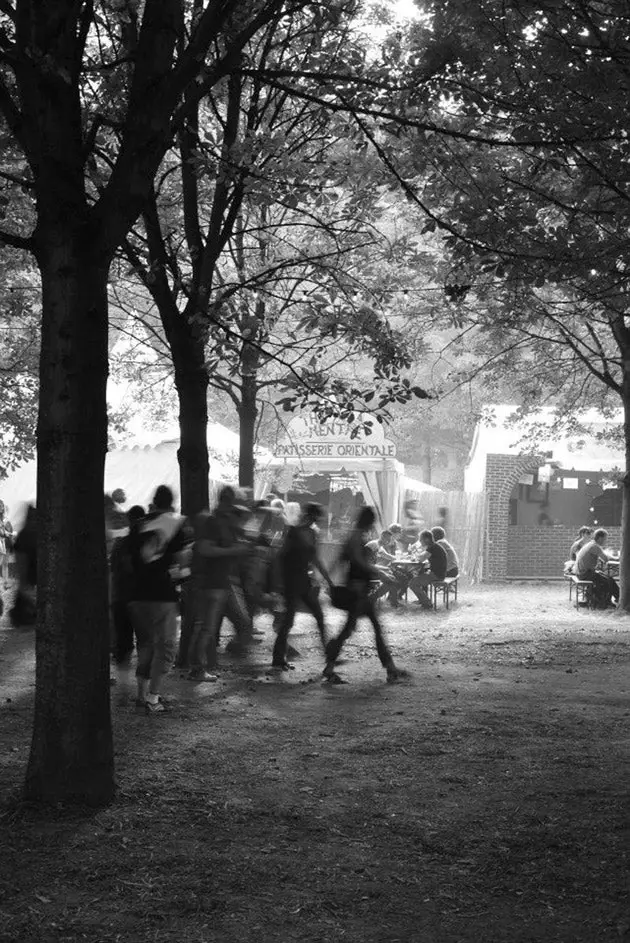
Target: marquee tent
[329, 447]
[139, 468]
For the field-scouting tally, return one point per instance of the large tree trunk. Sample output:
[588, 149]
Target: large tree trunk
[191, 381]
[72, 754]
[247, 414]
[624, 568]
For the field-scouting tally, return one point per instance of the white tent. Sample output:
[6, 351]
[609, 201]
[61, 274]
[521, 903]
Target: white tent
[138, 469]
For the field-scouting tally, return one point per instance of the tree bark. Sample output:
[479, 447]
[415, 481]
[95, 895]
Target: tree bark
[72, 753]
[191, 381]
[247, 413]
[624, 562]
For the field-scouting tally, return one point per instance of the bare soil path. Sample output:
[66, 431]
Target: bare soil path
[484, 800]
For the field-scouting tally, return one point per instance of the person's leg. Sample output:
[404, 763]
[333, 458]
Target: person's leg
[614, 588]
[311, 602]
[236, 612]
[382, 648]
[164, 624]
[209, 607]
[417, 585]
[334, 646]
[279, 658]
[141, 621]
[123, 632]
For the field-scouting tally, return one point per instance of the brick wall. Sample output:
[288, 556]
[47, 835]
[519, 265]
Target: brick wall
[502, 473]
[542, 551]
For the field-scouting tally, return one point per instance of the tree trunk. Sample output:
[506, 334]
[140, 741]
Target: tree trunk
[247, 414]
[71, 755]
[624, 563]
[191, 381]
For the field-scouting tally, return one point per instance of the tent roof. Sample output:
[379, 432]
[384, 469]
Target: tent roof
[138, 469]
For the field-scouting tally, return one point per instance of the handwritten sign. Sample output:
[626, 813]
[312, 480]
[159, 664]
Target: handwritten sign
[309, 438]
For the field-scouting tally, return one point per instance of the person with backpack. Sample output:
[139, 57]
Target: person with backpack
[156, 547]
[360, 573]
[299, 558]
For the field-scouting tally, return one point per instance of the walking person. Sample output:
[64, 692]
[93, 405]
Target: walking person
[299, 558]
[6, 544]
[122, 589]
[24, 609]
[216, 589]
[361, 572]
[156, 546]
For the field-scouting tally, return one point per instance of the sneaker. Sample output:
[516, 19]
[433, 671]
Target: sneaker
[158, 708]
[282, 666]
[331, 676]
[202, 676]
[397, 674]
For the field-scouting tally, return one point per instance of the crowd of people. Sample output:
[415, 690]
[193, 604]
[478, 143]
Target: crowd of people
[242, 558]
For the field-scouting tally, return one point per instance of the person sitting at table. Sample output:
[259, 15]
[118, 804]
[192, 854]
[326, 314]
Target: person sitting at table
[452, 563]
[400, 543]
[393, 584]
[589, 559]
[584, 535]
[435, 556]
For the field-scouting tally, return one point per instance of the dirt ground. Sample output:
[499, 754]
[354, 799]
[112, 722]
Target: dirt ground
[484, 800]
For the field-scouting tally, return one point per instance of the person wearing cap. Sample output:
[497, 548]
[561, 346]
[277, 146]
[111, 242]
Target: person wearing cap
[299, 557]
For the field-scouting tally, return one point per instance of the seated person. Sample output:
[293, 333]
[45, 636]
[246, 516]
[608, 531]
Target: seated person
[399, 541]
[452, 563]
[393, 582]
[435, 556]
[584, 535]
[589, 559]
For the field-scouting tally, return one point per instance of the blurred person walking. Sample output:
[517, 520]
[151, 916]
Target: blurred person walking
[156, 546]
[360, 573]
[299, 558]
[122, 587]
[216, 589]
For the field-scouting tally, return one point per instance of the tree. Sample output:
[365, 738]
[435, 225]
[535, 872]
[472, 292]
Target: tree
[19, 353]
[518, 157]
[91, 94]
[258, 207]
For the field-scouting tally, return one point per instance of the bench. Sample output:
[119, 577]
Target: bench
[444, 588]
[582, 590]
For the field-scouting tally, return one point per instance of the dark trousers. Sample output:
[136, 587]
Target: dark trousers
[123, 631]
[604, 586]
[364, 606]
[308, 597]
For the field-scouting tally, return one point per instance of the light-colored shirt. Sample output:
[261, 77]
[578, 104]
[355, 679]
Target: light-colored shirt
[451, 557]
[588, 557]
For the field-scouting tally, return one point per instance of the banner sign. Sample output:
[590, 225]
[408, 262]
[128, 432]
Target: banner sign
[309, 438]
